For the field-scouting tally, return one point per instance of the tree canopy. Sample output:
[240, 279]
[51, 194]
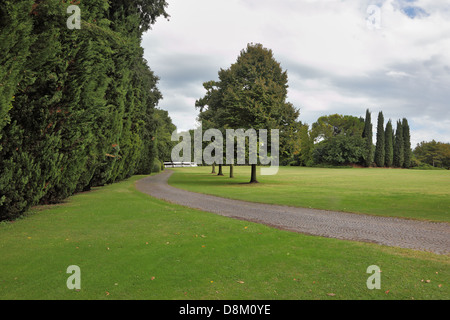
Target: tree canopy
[433, 153]
[250, 94]
[330, 126]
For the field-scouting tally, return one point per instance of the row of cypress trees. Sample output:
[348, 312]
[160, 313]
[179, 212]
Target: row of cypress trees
[76, 106]
[393, 149]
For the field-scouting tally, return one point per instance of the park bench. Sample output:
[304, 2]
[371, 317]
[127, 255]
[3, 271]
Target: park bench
[171, 164]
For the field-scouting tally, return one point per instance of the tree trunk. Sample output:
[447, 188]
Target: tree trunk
[213, 168]
[253, 179]
[220, 170]
[231, 171]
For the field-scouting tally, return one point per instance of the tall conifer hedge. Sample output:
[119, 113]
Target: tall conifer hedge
[76, 106]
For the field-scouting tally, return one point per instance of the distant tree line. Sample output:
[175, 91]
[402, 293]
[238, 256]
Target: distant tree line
[432, 154]
[252, 93]
[347, 140]
[77, 107]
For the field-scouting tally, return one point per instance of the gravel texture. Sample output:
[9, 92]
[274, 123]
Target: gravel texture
[404, 233]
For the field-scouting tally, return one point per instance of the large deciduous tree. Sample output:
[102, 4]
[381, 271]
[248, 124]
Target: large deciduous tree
[251, 94]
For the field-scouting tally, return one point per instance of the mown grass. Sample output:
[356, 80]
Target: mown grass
[131, 246]
[414, 194]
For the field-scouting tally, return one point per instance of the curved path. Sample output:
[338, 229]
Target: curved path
[411, 234]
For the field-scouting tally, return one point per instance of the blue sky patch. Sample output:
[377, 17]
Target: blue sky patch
[414, 12]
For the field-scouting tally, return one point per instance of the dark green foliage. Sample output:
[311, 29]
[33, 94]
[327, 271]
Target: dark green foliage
[336, 135]
[163, 134]
[368, 136]
[329, 126]
[15, 40]
[340, 149]
[76, 106]
[380, 148]
[148, 120]
[406, 144]
[326, 130]
[435, 154]
[399, 151]
[145, 11]
[389, 145]
[156, 166]
[35, 128]
[157, 142]
[302, 155]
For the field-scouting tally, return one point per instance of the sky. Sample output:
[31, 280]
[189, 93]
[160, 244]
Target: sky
[341, 56]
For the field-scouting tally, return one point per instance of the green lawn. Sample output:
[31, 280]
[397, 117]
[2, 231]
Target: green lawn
[416, 194]
[131, 246]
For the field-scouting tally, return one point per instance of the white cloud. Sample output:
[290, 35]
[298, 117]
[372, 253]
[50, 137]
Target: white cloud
[397, 74]
[335, 63]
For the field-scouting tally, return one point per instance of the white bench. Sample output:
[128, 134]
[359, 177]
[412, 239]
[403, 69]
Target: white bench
[179, 164]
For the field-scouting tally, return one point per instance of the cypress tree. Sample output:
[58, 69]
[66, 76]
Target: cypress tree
[406, 143]
[389, 144]
[399, 154]
[380, 149]
[368, 136]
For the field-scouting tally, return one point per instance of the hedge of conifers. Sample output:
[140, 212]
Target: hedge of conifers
[77, 106]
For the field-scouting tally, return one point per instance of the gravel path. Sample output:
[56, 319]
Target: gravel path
[411, 234]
